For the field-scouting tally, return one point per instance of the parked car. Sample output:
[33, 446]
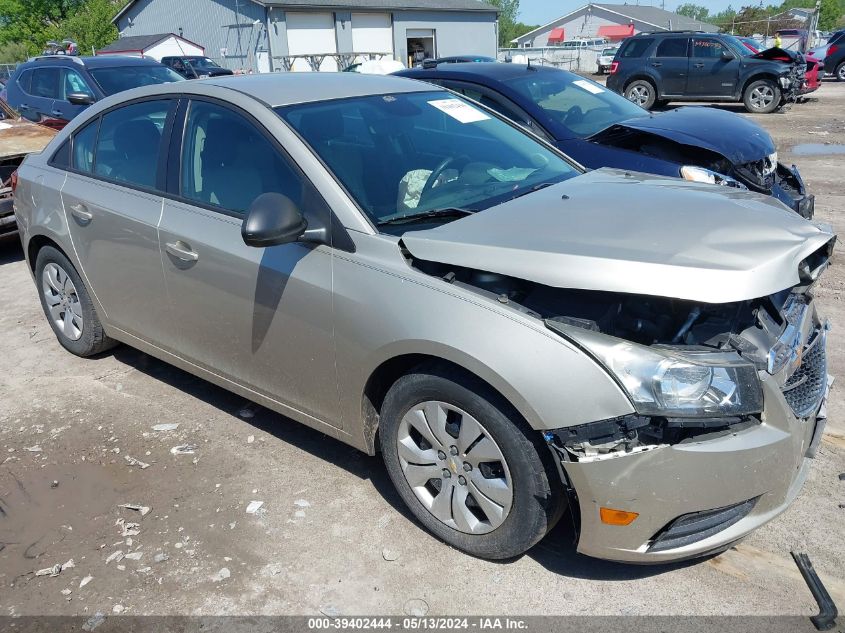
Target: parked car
[413, 274]
[457, 59]
[582, 43]
[652, 68]
[600, 128]
[53, 89]
[18, 138]
[834, 63]
[195, 66]
[605, 60]
[821, 52]
[815, 66]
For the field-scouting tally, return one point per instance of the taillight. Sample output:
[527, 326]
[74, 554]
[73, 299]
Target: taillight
[614, 66]
[14, 180]
[832, 49]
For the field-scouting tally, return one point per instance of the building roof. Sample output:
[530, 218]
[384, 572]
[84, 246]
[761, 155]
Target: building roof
[134, 43]
[652, 16]
[394, 5]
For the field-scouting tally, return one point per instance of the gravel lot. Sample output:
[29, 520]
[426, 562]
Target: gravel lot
[332, 536]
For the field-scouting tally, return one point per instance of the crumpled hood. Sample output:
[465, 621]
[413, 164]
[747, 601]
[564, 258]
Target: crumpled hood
[738, 139]
[19, 137]
[612, 231]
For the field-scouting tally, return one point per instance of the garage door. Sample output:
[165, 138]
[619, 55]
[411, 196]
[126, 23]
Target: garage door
[312, 33]
[372, 33]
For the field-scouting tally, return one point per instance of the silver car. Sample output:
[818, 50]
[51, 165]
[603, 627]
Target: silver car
[411, 274]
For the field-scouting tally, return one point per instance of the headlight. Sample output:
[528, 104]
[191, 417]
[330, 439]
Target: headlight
[671, 383]
[699, 174]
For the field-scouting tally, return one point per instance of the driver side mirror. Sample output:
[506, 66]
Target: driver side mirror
[727, 56]
[272, 219]
[80, 98]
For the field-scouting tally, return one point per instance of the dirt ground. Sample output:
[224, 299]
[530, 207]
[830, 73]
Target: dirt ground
[331, 537]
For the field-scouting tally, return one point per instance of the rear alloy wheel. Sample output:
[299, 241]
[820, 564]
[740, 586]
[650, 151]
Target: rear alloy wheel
[642, 93]
[840, 72]
[762, 97]
[68, 306]
[467, 466]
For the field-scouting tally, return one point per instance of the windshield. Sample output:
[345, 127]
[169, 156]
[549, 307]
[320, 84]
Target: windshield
[575, 107]
[736, 45]
[409, 154]
[115, 79]
[609, 52]
[201, 62]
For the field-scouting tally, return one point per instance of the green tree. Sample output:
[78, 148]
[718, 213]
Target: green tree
[91, 27]
[13, 52]
[694, 11]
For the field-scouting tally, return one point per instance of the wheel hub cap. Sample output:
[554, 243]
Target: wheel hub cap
[62, 301]
[454, 467]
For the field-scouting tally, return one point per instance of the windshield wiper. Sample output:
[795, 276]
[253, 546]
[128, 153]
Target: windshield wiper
[446, 212]
[532, 189]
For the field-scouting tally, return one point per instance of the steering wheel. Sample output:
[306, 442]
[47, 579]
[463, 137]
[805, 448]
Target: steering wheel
[438, 171]
[573, 116]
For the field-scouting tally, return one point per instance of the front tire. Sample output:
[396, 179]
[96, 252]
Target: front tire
[467, 466]
[641, 92]
[840, 72]
[67, 305]
[761, 97]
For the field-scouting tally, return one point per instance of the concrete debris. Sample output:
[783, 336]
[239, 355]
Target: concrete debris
[118, 609]
[302, 503]
[94, 621]
[250, 439]
[117, 556]
[144, 570]
[66, 592]
[33, 449]
[134, 555]
[330, 610]
[170, 426]
[254, 507]
[221, 575]
[184, 449]
[134, 506]
[299, 514]
[128, 528]
[84, 582]
[122, 567]
[161, 557]
[416, 607]
[136, 462]
[55, 570]
[54, 484]
[389, 555]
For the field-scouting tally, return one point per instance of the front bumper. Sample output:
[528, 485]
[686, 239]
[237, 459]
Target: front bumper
[789, 188]
[766, 463]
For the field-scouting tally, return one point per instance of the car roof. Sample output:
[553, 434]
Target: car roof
[100, 61]
[280, 89]
[494, 71]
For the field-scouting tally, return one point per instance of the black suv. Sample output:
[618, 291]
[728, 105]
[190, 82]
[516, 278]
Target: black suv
[53, 89]
[195, 66]
[654, 68]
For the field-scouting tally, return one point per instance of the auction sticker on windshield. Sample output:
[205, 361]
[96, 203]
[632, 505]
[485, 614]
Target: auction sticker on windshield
[588, 86]
[459, 110]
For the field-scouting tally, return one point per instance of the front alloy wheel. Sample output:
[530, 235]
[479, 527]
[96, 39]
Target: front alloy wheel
[455, 469]
[762, 97]
[62, 301]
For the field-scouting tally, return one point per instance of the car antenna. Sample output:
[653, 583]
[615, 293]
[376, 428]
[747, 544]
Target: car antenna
[530, 67]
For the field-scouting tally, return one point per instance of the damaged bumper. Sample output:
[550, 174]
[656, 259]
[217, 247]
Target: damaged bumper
[698, 498]
[789, 188]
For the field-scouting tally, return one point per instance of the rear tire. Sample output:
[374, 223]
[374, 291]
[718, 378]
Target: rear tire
[447, 439]
[67, 305]
[840, 72]
[641, 92]
[761, 96]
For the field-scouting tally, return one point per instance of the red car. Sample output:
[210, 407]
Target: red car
[815, 66]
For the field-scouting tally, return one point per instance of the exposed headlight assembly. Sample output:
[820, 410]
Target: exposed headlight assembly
[700, 174]
[667, 382]
[785, 82]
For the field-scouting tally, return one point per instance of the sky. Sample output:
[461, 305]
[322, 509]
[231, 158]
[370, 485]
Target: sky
[543, 11]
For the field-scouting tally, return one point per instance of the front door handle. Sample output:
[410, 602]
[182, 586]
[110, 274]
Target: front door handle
[656, 64]
[58, 113]
[182, 251]
[698, 66]
[81, 213]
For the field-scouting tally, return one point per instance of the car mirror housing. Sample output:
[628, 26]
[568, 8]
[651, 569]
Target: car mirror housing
[80, 98]
[727, 56]
[272, 219]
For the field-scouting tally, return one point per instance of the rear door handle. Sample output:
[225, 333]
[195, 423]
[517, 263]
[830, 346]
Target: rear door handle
[56, 113]
[23, 106]
[656, 64]
[182, 251]
[80, 212]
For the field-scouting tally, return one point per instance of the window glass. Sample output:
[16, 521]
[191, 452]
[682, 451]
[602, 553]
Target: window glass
[61, 157]
[492, 103]
[25, 80]
[73, 82]
[636, 47]
[45, 83]
[672, 47]
[227, 162]
[705, 48]
[83, 147]
[419, 152]
[113, 79]
[129, 143]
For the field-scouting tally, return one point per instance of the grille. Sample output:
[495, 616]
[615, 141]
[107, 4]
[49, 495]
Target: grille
[697, 526]
[805, 388]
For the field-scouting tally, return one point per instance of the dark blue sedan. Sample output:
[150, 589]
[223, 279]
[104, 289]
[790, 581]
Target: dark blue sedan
[600, 128]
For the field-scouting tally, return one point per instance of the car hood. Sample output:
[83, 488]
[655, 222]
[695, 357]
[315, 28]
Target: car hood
[609, 230]
[18, 138]
[731, 135]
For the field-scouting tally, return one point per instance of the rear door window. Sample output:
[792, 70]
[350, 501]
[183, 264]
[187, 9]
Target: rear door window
[129, 143]
[673, 47]
[25, 80]
[636, 47]
[45, 83]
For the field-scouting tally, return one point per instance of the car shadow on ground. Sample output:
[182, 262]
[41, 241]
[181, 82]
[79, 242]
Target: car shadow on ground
[556, 552]
[10, 249]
